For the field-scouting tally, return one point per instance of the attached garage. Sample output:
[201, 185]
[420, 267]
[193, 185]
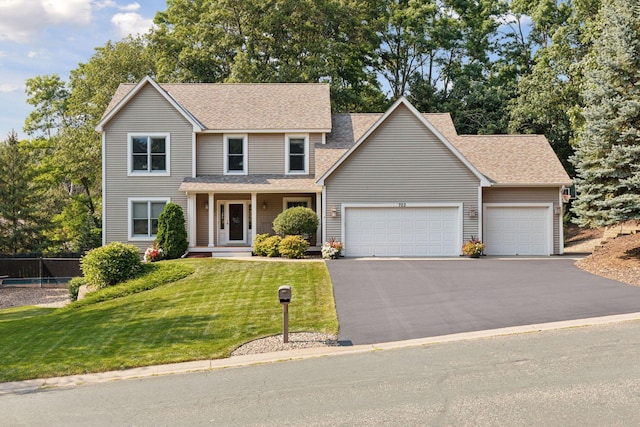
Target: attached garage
[518, 229]
[402, 230]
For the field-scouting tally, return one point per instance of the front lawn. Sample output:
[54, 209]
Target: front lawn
[206, 315]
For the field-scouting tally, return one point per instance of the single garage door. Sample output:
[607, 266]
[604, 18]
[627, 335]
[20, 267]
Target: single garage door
[521, 230]
[402, 231]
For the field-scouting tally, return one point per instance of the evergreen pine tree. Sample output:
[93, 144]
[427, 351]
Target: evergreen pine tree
[21, 220]
[607, 156]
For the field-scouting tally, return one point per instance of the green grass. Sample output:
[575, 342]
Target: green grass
[218, 307]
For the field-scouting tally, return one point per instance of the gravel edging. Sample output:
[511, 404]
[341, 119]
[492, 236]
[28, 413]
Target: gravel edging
[40, 297]
[296, 340]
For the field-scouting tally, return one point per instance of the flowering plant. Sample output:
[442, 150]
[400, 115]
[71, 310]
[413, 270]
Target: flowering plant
[473, 247]
[153, 253]
[331, 249]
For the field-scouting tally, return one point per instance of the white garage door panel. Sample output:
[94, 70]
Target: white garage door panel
[517, 231]
[406, 231]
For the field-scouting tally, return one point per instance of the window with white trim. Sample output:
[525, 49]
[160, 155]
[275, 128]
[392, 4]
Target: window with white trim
[143, 217]
[148, 154]
[235, 154]
[297, 154]
[292, 202]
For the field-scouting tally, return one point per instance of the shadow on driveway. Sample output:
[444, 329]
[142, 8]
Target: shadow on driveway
[392, 300]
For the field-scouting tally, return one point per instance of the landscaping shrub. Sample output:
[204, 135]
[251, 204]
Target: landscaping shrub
[74, 287]
[111, 264]
[293, 247]
[258, 244]
[296, 221]
[172, 233]
[270, 246]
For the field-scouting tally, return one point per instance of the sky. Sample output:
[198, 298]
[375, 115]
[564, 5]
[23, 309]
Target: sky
[43, 37]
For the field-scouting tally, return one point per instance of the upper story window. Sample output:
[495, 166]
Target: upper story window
[235, 154]
[148, 154]
[297, 154]
[143, 217]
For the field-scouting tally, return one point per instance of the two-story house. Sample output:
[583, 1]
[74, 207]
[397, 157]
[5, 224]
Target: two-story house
[398, 183]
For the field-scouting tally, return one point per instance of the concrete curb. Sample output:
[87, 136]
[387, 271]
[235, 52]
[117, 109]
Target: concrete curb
[30, 386]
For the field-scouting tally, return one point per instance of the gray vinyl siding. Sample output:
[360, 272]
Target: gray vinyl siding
[266, 153]
[209, 157]
[402, 161]
[528, 195]
[147, 112]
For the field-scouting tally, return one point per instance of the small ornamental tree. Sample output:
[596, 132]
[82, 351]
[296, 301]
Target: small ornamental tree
[172, 233]
[297, 221]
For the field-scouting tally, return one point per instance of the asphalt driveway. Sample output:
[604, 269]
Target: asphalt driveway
[390, 300]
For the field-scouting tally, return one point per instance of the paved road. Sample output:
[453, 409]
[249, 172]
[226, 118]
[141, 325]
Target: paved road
[392, 300]
[573, 377]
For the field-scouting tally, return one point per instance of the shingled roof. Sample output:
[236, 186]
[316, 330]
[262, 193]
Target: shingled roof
[502, 159]
[255, 106]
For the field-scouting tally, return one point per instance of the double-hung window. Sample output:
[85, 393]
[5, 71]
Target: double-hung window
[296, 154]
[235, 155]
[143, 217]
[148, 154]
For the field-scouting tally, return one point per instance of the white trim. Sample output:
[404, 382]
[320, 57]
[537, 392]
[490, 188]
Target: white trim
[249, 130]
[324, 215]
[286, 200]
[548, 217]
[484, 182]
[254, 217]
[480, 212]
[192, 236]
[403, 205]
[211, 218]
[319, 210]
[149, 172]
[130, 202]
[287, 145]
[561, 223]
[324, 138]
[197, 126]
[194, 172]
[104, 188]
[245, 153]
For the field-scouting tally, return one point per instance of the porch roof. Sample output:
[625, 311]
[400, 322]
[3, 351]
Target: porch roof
[251, 183]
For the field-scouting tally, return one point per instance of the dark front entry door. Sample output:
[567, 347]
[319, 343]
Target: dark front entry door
[236, 221]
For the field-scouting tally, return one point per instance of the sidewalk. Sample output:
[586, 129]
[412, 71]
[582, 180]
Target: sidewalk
[30, 386]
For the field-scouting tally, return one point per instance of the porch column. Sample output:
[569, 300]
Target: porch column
[319, 209]
[212, 219]
[254, 217]
[191, 209]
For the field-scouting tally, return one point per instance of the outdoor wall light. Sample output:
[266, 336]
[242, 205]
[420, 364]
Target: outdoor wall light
[334, 212]
[206, 206]
[264, 205]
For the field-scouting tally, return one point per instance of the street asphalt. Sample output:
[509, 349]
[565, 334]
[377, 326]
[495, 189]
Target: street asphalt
[384, 300]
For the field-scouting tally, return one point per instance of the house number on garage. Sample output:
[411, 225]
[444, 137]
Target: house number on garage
[402, 205]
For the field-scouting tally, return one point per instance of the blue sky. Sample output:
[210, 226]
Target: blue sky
[41, 37]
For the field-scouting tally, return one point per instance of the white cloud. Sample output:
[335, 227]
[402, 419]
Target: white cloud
[131, 23]
[8, 88]
[21, 19]
[131, 7]
[32, 54]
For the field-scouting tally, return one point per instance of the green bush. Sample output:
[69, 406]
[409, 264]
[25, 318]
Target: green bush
[111, 264]
[293, 247]
[172, 233]
[270, 246]
[298, 221]
[74, 287]
[258, 244]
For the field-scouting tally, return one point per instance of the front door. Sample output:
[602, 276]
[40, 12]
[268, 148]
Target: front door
[236, 222]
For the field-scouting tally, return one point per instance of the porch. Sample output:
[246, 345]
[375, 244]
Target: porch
[226, 224]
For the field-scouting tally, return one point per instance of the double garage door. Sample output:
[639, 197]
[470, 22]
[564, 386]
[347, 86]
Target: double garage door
[436, 231]
[518, 230]
[402, 231]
